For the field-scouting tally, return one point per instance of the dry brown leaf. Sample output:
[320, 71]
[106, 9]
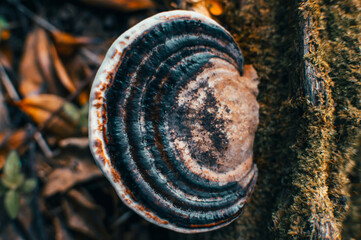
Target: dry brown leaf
[6, 56]
[82, 198]
[15, 139]
[61, 71]
[61, 233]
[3, 154]
[41, 107]
[208, 8]
[83, 97]
[66, 44]
[31, 82]
[62, 179]
[215, 7]
[41, 67]
[200, 7]
[84, 216]
[44, 59]
[122, 5]
[5, 35]
[79, 70]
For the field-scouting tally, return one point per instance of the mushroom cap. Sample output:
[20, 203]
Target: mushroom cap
[172, 120]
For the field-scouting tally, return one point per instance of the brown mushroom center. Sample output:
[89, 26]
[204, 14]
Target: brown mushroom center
[217, 114]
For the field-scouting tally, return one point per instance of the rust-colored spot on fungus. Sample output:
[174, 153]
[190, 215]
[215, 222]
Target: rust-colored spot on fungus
[98, 149]
[116, 176]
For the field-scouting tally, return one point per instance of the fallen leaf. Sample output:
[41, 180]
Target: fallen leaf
[66, 44]
[13, 182]
[61, 233]
[83, 98]
[199, 7]
[41, 107]
[61, 71]
[3, 154]
[79, 70]
[215, 7]
[122, 5]
[6, 56]
[84, 216]
[41, 67]
[12, 165]
[5, 35]
[12, 178]
[44, 59]
[29, 185]
[82, 198]
[62, 179]
[12, 203]
[31, 80]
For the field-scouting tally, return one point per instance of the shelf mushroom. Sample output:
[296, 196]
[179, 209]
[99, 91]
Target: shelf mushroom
[172, 119]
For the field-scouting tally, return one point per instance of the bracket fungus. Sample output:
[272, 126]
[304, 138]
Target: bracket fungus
[173, 114]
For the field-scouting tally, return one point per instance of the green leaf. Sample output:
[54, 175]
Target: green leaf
[29, 185]
[12, 165]
[3, 23]
[13, 182]
[83, 119]
[72, 111]
[12, 203]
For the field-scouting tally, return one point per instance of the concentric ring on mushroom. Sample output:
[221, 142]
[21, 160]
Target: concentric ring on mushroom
[173, 114]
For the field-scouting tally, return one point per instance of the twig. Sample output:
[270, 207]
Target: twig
[90, 56]
[10, 89]
[43, 145]
[123, 218]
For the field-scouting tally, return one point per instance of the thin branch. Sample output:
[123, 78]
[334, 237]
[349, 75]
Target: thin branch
[10, 89]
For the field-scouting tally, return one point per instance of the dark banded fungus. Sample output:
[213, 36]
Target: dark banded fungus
[172, 122]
